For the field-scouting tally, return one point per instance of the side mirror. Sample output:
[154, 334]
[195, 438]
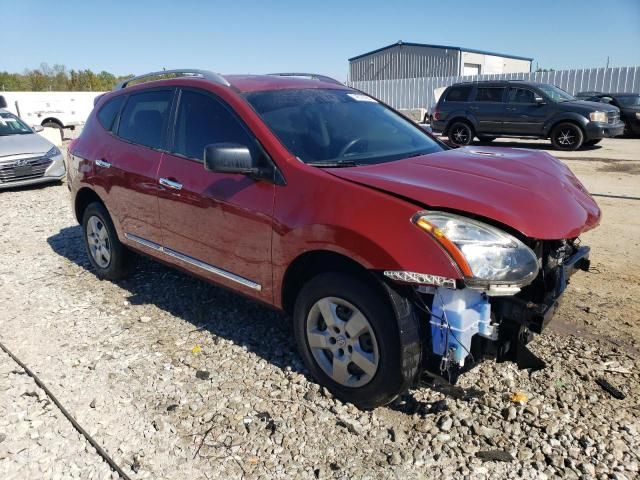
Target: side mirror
[3, 102]
[539, 100]
[230, 158]
[38, 128]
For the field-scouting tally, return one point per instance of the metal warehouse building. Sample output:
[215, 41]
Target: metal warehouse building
[410, 60]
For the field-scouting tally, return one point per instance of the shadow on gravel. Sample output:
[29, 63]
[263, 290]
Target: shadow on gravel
[261, 330]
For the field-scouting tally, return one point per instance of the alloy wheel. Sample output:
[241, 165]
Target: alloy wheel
[460, 135]
[342, 342]
[567, 137]
[98, 241]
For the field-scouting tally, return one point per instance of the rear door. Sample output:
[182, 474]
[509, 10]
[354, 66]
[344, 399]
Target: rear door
[488, 108]
[131, 164]
[218, 225]
[524, 116]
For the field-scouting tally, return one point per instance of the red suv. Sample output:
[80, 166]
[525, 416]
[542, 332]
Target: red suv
[395, 254]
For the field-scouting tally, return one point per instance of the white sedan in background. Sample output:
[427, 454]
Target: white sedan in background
[26, 158]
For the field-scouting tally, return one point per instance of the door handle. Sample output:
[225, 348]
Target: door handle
[170, 183]
[511, 109]
[473, 108]
[103, 163]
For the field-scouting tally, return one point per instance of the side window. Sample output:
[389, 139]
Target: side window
[109, 111]
[144, 117]
[458, 94]
[521, 95]
[202, 120]
[489, 94]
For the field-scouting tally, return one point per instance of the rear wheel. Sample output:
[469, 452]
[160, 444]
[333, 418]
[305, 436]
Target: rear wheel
[110, 258]
[567, 136]
[348, 336]
[460, 133]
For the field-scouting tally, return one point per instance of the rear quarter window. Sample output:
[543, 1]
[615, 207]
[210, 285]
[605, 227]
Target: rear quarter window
[107, 114]
[458, 94]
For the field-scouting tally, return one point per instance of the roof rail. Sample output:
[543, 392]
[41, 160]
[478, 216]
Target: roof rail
[313, 76]
[184, 72]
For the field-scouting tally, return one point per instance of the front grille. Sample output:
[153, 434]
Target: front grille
[28, 169]
[613, 117]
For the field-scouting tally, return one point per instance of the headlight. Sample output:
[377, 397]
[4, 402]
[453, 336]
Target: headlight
[598, 117]
[486, 255]
[638, 115]
[54, 152]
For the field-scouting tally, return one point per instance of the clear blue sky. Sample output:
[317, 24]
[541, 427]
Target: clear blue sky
[242, 36]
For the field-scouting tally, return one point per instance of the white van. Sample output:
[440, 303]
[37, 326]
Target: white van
[51, 109]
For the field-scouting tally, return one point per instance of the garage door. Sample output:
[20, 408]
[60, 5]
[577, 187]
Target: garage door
[471, 69]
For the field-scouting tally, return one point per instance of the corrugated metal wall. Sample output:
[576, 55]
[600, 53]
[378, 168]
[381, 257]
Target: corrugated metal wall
[405, 61]
[418, 92]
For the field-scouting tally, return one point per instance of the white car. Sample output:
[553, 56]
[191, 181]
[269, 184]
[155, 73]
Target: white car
[26, 158]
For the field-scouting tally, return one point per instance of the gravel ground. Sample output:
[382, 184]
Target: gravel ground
[176, 378]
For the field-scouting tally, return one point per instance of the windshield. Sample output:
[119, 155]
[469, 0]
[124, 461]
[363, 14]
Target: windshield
[12, 125]
[554, 93]
[629, 100]
[330, 127]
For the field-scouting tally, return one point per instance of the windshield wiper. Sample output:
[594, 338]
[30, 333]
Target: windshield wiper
[335, 164]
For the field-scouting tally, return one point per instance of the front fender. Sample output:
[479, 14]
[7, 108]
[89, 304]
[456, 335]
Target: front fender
[371, 227]
[574, 117]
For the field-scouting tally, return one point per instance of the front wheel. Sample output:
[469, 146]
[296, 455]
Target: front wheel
[567, 136]
[108, 256]
[348, 336]
[460, 133]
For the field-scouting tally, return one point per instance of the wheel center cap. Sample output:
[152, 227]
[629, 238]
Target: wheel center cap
[341, 341]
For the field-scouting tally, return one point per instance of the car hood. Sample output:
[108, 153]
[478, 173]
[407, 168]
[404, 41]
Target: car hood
[586, 106]
[527, 190]
[23, 144]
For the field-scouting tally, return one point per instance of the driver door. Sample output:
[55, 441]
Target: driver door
[217, 225]
[523, 115]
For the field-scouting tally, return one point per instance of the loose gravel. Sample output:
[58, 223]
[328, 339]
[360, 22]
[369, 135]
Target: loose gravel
[179, 379]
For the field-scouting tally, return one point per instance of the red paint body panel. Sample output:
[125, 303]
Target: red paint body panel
[529, 191]
[256, 229]
[221, 219]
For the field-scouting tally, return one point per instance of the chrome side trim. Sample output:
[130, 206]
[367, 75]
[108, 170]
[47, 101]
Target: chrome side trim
[142, 241]
[215, 270]
[195, 262]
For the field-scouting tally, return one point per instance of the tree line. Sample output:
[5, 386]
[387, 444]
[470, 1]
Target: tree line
[58, 78]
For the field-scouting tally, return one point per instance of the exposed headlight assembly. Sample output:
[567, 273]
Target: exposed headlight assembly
[485, 255]
[598, 117]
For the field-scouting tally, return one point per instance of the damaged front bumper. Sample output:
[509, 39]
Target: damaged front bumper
[467, 325]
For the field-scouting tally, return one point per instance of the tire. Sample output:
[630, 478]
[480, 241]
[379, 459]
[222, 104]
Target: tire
[377, 362]
[460, 133]
[55, 125]
[590, 143]
[100, 239]
[567, 136]
[486, 139]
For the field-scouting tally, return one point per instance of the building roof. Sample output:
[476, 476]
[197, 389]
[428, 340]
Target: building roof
[447, 47]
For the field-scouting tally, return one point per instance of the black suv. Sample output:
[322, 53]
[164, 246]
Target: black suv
[628, 103]
[521, 109]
